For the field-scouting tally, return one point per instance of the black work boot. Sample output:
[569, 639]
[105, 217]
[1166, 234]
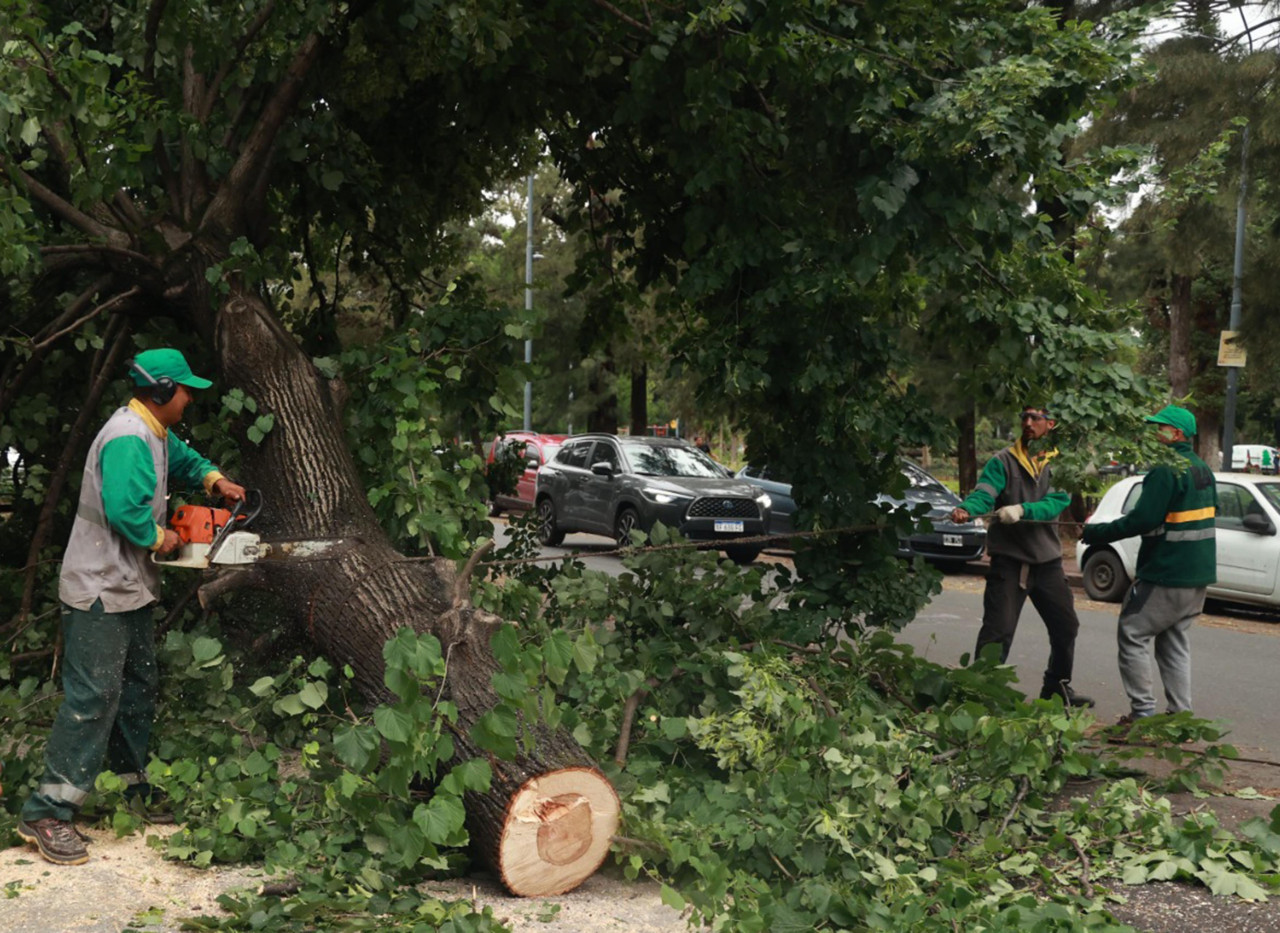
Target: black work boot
[57, 840]
[1069, 696]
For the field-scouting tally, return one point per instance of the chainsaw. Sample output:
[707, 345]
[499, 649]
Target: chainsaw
[215, 537]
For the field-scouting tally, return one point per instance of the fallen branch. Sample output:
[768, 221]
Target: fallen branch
[1023, 786]
[1084, 866]
[628, 717]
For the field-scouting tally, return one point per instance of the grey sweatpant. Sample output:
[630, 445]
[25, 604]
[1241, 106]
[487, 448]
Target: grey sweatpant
[1162, 615]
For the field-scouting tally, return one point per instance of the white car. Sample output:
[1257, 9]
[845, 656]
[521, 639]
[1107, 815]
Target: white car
[1248, 547]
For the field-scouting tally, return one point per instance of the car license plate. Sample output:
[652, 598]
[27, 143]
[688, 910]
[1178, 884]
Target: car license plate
[952, 541]
[735, 527]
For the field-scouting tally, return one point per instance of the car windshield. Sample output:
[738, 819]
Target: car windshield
[924, 488]
[1270, 492]
[669, 460]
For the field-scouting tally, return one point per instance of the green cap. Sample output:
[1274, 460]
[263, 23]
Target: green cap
[165, 362]
[1175, 417]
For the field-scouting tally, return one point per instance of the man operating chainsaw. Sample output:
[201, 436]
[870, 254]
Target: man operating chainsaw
[107, 588]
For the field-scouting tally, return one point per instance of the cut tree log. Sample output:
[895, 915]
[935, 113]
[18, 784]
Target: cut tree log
[553, 834]
[549, 816]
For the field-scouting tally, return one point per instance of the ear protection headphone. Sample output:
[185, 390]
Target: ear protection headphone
[162, 389]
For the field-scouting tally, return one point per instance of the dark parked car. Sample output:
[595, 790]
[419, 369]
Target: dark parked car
[946, 544]
[610, 485]
[537, 450]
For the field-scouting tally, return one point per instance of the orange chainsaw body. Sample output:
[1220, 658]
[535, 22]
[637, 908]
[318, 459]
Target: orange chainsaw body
[197, 524]
[214, 536]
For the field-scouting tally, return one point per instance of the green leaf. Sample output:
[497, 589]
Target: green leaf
[474, 774]
[205, 650]
[671, 897]
[289, 705]
[393, 724]
[510, 686]
[585, 652]
[315, 694]
[440, 818]
[355, 744]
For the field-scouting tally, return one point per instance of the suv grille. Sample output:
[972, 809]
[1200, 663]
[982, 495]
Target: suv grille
[723, 507]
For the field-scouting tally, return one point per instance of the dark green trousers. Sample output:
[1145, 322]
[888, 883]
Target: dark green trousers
[109, 682]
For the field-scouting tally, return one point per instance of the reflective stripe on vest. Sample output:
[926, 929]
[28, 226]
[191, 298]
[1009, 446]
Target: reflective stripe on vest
[1186, 518]
[1193, 534]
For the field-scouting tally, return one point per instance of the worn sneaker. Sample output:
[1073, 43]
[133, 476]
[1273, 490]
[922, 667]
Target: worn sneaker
[1069, 696]
[57, 840]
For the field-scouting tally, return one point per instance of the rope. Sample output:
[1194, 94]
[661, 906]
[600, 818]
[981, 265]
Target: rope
[702, 545]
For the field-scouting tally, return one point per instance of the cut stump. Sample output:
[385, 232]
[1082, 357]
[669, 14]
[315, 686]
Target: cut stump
[555, 833]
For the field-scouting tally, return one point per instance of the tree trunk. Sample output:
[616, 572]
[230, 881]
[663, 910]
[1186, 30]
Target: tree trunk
[549, 816]
[1180, 315]
[603, 416]
[640, 400]
[966, 451]
[1208, 441]
[546, 823]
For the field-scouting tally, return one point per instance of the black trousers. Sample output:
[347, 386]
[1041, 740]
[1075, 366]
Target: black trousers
[1009, 583]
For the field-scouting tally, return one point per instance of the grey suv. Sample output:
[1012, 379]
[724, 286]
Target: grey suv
[610, 485]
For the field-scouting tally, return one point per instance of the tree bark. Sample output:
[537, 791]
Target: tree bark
[1208, 442]
[966, 451]
[1180, 316]
[640, 399]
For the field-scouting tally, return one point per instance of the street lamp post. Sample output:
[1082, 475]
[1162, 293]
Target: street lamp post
[1233, 372]
[528, 306]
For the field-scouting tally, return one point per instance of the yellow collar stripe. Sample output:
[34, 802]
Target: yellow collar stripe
[1194, 515]
[1032, 465]
[159, 429]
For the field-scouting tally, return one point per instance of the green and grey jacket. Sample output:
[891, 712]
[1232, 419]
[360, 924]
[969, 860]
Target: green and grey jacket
[1175, 516]
[122, 508]
[1016, 477]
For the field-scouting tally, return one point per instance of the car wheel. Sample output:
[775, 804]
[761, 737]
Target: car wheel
[549, 532]
[1104, 577]
[628, 520]
[742, 554]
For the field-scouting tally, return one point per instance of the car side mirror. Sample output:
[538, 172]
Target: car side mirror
[603, 468]
[1258, 524]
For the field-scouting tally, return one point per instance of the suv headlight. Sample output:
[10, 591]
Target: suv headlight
[662, 497]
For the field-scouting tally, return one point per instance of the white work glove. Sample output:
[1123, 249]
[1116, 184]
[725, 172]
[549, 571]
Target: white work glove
[1009, 514]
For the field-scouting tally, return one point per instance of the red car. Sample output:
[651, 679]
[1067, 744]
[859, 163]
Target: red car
[538, 449]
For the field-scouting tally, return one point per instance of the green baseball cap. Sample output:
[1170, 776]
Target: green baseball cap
[1175, 417]
[162, 363]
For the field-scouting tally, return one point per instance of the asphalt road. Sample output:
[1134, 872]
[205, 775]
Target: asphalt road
[1235, 651]
[1235, 659]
